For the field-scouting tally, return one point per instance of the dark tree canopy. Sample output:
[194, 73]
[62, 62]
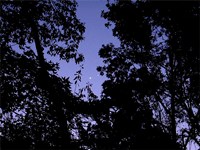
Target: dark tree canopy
[155, 71]
[54, 22]
[149, 101]
[37, 105]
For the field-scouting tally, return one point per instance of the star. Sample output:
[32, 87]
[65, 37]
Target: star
[90, 78]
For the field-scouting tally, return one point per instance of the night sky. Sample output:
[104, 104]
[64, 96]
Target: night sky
[96, 34]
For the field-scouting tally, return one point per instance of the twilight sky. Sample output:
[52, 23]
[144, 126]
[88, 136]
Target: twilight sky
[96, 34]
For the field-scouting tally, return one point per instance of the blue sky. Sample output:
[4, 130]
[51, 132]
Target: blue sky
[96, 34]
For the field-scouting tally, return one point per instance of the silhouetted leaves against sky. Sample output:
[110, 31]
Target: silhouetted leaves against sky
[155, 65]
[59, 30]
[150, 99]
[33, 97]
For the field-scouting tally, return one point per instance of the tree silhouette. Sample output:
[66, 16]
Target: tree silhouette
[37, 105]
[154, 74]
[151, 97]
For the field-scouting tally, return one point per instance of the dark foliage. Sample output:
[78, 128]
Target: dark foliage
[37, 105]
[152, 89]
[153, 77]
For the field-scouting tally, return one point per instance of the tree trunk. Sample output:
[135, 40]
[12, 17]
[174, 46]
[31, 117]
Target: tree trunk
[172, 93]
[64, 138]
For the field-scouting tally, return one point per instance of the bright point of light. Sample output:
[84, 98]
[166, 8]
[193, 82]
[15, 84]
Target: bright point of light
[90, 78]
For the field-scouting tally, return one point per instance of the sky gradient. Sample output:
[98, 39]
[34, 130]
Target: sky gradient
[96, 34]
